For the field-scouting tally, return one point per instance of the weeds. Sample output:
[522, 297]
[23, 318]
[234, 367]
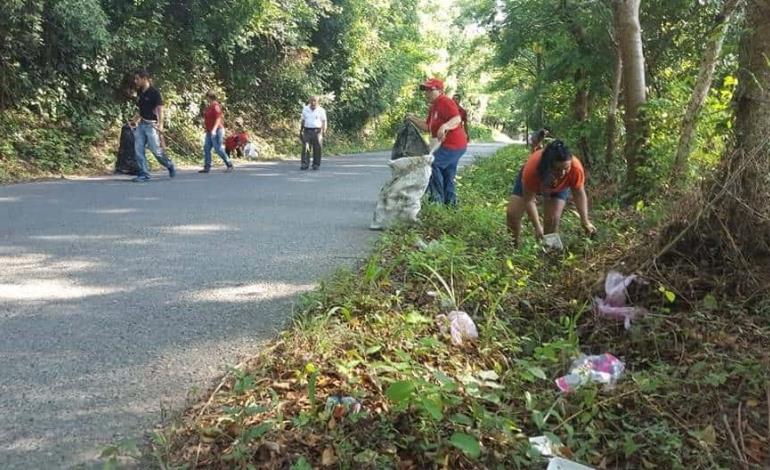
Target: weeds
[428, 404]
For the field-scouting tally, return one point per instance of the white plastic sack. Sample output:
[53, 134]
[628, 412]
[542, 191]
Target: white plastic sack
[461, 327]
[250, 151]
[399, 199]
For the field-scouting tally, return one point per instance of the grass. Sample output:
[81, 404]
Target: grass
[695, 392]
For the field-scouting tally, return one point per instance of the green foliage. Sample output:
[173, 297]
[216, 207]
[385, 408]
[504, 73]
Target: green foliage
[544, 53]
[70, 64]
[480, 133]
[357, 58]
[372, 334]
[54, 147]
[466, 443]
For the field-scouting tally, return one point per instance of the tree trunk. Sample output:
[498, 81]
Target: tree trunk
[747, 211]
[538, 116]
[629, 31]
[613, 111]
[702, 86]
[581, 115]
[581, 103]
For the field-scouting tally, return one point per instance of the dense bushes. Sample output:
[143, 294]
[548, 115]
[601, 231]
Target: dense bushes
[559, 73]
[66, 66]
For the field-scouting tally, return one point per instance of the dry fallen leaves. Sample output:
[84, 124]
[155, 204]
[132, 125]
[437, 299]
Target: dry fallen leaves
[328, 458]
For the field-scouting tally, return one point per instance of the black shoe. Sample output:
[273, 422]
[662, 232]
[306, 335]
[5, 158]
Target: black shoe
[205, 170]
[303, 167]
[316, 167]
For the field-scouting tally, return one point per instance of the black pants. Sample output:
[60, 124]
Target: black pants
[311, 138]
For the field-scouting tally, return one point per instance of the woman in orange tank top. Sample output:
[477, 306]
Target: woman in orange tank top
[556, 174]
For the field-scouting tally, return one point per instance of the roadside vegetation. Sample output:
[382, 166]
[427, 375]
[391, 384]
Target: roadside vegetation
[695, 380]
[664, 102]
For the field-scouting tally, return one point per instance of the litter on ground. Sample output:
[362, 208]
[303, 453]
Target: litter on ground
[615, 302]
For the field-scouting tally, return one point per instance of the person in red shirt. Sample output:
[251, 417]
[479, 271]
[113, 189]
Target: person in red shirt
[539, 139]
[556, 174]
[463, 115]
[236, 141]
[445, 126]
[213, 120]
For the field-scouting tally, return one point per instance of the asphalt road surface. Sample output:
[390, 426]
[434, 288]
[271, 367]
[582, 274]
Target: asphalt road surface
[118, 298]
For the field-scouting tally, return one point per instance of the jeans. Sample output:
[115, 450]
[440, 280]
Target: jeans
[311, 138]
[214, 141]
[145, 135]
[442, 178]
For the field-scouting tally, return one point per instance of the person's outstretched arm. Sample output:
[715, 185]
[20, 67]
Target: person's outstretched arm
[159, 113]
[530, 203]
[422, 125]
[581, 203]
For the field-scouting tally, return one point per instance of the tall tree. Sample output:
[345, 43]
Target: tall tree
[702, 85]
[629, 35]
[581, 103]
[617, 82]
[745, 178]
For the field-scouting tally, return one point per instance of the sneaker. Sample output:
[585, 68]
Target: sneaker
[205, 170]
[141, 179]
[171, 171]
[316, 167]
[303, 167]
[229, 169]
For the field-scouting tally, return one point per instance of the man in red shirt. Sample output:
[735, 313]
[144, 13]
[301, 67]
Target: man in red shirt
[445, 126]
[238, 140]
[213, 119]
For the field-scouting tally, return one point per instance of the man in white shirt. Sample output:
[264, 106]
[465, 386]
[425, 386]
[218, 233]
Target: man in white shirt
[311, 133]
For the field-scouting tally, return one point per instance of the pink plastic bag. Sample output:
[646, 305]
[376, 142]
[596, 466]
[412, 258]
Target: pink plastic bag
[604, 369]
[615, 304]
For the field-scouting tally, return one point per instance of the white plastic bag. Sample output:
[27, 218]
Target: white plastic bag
[558, 463]
[249, 151]
[399, 199]
[553, 241]
[461, 327]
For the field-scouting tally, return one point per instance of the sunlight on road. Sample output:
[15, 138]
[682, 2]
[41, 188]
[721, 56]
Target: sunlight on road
[249, 292]
[201, 228]
[48, 290]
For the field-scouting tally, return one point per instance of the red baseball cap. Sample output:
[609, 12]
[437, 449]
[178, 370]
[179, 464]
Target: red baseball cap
[432, 84]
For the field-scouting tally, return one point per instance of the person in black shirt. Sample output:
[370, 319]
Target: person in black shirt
[147, 125]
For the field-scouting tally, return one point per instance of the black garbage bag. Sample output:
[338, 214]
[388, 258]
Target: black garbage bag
[126, 162]
[409, 142]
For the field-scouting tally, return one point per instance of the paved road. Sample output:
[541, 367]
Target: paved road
[117, 298]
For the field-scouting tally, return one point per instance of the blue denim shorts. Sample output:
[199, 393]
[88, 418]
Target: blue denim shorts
[518, 190]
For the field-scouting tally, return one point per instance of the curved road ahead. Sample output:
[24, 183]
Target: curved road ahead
[117, 298]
